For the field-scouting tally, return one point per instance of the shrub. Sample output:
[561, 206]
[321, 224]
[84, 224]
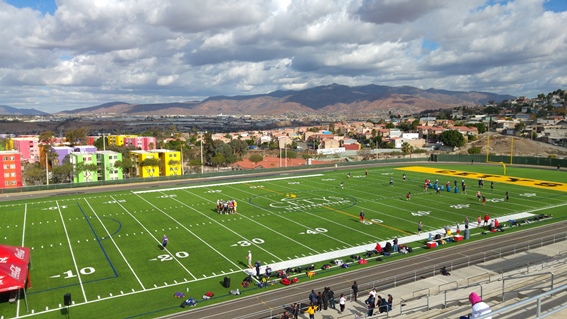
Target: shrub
[474, 150]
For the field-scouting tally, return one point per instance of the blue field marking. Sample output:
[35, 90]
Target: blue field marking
[98, 241]
[66, 286]
[119, 228]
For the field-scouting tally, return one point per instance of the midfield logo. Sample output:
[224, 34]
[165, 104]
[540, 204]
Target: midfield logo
[308, 201]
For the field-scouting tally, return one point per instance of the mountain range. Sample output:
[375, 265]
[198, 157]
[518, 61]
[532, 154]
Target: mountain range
[8, 110]
[328, 99]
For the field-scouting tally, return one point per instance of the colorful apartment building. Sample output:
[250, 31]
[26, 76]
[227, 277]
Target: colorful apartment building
[140, 164]
[81, 173]
[28, 146]
[118, 140]
[145, 143]
[170, 162]
[10, 169]
[62, 152]
[106, 169]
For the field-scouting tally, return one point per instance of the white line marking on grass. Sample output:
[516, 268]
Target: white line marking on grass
[297, 223]
[225, 227]
[224, 184]
[72, 253]
[158, 241]
[116, 245]
[23, 240]
[192, 233]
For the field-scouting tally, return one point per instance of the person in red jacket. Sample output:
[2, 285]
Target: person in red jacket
[486, 219]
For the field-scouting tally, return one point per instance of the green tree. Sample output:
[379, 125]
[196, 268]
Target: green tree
[46, 137]
[218, 160]
[33, 174]
[520, 127]
[390, 125]
[76, 136]
[99, 144]
[239, 147]
[127, 166]
[256, 158]
[481, 127]
[452, 138]
[407, 148]
[474, 150]
[62, 173]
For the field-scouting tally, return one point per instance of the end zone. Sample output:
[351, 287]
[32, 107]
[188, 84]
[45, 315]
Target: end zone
[489, 177]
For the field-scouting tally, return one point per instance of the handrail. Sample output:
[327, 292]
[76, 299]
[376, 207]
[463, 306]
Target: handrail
[416, 274]
[428, 292]
[526, 276]
[447, 283]
[455, 289]
[530, 300]
[482, 274]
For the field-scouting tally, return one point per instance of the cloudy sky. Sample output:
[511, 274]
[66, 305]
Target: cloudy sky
[65, 54]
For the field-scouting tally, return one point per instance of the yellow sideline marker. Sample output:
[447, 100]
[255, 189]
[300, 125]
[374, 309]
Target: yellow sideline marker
[489, 177]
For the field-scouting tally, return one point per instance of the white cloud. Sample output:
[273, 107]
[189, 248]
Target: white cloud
[145, 51]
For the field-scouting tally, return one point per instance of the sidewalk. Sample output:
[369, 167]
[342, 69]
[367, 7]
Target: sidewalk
[358, 308]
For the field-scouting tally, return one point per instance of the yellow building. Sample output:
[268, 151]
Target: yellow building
[141, 161]
[118, 140]
[170, 162]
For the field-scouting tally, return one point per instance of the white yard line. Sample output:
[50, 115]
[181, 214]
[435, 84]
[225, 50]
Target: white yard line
[292, 221]
[150, 234]
[264, 226]
[292, 263]
[116, 245]
[71, 250]
[225, 227]
[23, 241]
[192, 233]
[227, 183]
[24, 227]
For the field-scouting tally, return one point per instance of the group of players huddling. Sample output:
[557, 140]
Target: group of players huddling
[226, 207]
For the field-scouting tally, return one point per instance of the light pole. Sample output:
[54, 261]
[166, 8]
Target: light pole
[202, 167]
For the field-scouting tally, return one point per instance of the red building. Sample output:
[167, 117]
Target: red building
[10, 169]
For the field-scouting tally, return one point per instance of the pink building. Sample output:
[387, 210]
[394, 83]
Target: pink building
[144, 143]
[28, 148]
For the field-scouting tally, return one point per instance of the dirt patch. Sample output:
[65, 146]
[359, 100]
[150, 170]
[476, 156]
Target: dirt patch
[504, 145]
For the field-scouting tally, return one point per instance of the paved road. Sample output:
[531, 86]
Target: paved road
[398, 272]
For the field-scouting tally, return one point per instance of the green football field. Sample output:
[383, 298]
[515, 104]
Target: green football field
[106, 249]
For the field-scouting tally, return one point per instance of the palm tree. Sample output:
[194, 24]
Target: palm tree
[407, 148]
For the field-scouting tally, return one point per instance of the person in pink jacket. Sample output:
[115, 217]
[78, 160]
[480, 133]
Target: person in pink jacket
[479, 307]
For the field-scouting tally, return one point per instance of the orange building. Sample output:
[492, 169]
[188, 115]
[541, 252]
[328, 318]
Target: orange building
[10, 169]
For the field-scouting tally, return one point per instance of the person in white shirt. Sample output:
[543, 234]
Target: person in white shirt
[342, 302]
[479, 307]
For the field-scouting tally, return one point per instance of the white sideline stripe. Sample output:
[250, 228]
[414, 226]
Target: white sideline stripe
[72, 254]
[116, 245]
[227, 183]
[513, 216]
[150, 233]
[187, 229]
[306, 261]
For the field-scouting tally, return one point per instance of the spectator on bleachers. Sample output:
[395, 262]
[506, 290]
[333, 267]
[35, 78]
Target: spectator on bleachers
[479, 307]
